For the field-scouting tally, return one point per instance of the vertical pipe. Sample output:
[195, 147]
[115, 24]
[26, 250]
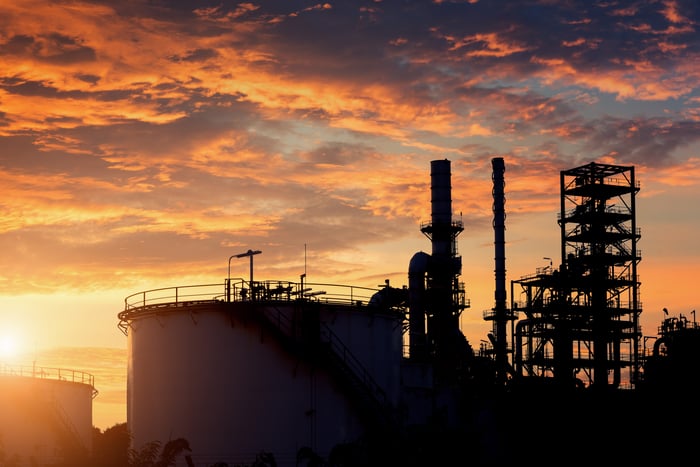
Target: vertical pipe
[635, 284]
[499, 217]
[417, 270]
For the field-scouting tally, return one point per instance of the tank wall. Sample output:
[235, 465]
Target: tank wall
[72, 403]
[375, 339]
[228, 387]
[41, 419]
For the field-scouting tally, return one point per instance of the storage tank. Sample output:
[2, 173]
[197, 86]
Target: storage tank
[273, 368]
[45, 415]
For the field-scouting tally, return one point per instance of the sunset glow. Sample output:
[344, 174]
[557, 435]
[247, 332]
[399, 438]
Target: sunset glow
[9, 347]
[144, 143]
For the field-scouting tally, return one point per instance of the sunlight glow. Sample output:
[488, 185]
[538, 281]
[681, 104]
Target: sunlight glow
[9, 347]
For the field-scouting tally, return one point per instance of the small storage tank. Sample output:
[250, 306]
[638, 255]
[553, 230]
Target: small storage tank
[274, 370]
[45, 415]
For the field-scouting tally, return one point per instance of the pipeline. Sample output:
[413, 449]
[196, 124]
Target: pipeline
[417, 270]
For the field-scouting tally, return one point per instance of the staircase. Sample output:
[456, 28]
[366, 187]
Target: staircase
[300, 330]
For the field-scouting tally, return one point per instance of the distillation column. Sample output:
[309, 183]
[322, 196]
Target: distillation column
[444, 292]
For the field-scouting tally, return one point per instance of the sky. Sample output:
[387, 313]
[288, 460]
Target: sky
[143, 143]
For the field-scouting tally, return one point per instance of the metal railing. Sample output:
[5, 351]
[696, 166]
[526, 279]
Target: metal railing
[58, 374]
[174, 295]
[241, 290]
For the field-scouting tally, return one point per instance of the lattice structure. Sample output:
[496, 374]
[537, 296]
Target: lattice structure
[582, 321]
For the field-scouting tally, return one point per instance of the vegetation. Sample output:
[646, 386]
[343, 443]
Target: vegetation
[112, 448]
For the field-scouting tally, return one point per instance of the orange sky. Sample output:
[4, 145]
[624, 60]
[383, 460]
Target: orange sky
[143, 143]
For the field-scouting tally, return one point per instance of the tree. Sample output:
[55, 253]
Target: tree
[151, 454]
[110, 448]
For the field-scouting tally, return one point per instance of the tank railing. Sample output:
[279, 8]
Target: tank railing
[60, 374]
[178, 294]
[287, 291]
[241, 290]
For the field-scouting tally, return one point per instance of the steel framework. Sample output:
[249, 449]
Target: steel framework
[582, 321]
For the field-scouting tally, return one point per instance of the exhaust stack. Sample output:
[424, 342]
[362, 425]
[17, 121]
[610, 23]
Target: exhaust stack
[499, 227]
[443, 291]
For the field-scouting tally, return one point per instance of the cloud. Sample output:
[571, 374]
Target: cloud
[142, 138]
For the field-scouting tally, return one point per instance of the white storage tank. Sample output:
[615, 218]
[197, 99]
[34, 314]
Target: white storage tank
[45, 415]
[273, 371]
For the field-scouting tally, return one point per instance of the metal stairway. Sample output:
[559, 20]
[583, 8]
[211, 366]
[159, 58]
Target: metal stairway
[300, 331]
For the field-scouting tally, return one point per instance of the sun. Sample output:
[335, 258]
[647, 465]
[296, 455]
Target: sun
[9, 346]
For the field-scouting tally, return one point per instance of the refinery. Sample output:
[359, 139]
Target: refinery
[289, 373]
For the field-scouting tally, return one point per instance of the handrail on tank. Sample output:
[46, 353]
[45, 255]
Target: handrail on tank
[241, 290]
[58, 374]
[177, 294]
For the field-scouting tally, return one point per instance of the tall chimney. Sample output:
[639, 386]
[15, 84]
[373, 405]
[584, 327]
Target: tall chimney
[444, 268]
[499, 228]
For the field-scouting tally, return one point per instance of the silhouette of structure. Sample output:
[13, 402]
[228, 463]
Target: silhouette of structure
[501, 315]
[45, 415]
[297, 367]
[581, 320]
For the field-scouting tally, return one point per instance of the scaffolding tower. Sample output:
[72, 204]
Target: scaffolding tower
[581, 321]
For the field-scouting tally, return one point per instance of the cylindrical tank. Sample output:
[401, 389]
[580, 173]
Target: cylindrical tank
[236, 379]
[45, 415]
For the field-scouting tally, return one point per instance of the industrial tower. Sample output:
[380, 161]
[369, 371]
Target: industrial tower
[444, 293]
[499, 314]
[581, 321]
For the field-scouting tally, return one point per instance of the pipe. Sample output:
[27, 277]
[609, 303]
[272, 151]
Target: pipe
[518, 343]
[417, 270]
[657, 346]
[499, 218]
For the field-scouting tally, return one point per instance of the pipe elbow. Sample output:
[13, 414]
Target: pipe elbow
[418, 264]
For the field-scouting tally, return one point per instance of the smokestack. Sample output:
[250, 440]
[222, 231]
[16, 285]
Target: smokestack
[441, 204]
[499, 227]
[442, 307]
